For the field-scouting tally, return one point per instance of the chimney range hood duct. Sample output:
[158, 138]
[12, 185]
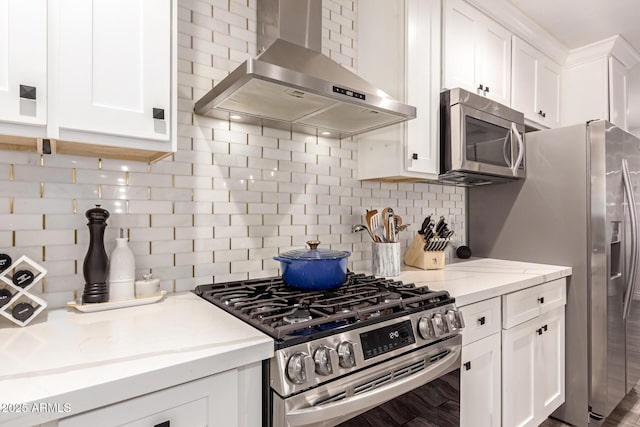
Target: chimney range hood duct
[291, 85]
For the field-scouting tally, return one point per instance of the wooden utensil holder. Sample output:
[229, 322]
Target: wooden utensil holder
[416, 256]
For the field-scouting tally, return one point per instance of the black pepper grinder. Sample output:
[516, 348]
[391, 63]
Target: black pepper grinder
[96, 262]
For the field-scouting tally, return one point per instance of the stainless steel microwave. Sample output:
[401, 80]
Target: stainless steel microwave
[481, 141]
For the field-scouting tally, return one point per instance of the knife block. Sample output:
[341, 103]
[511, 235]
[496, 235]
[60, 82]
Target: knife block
[416, 256]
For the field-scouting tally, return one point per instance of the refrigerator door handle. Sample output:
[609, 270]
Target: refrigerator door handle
[516, 164]
[633, 214]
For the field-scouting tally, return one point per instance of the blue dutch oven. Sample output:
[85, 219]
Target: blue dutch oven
[314, 269]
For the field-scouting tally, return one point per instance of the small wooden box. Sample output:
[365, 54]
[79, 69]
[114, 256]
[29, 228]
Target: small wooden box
[416, 256]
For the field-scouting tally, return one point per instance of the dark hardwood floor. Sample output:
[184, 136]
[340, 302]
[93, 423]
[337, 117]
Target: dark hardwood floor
[626, 414]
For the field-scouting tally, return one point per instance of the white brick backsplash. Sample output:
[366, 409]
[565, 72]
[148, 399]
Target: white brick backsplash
[231, 208]
[193, 207]
[210, 171]
[231, 255]
[260, 191]
[211, 220]
[6, 239]
[148, 206]
[28, 173]
[124, 193]
[21, 222]
[22, 189]
[192, 233]
[176, 194]
[212, 244]
[171, 247]
[194, 258]
[246, 266]
[151, 234]
[65, 283]
[263, 141]
[44, 237]
[201, 195]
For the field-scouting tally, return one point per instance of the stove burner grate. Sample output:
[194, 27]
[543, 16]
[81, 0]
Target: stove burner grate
[282, 312]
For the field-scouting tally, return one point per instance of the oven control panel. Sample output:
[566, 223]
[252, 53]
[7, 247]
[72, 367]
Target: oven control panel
[305, 365]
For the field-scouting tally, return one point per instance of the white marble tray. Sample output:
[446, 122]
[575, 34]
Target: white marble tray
[101, 306]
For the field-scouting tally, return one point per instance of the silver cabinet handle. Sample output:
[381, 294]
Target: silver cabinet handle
[516, 165]
[633, 214]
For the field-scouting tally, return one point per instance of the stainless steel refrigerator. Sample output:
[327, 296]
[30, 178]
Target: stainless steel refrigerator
[577, 207]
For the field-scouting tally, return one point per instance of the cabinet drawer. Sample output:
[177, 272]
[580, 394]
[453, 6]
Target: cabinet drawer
[480, 320]
[526, 304]
[187, 405]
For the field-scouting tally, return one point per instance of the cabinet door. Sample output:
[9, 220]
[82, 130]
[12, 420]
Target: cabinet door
[535, 84]
[210, 401]
[618, 94]
[518, 375]
[480, 383]
[495, 59]
[548, 93]
[113, 67]
[524, 79]
[462, 27]
[23, 61]
[550, 367]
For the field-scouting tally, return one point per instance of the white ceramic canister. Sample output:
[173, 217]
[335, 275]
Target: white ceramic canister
[122, 272]
[147, 287]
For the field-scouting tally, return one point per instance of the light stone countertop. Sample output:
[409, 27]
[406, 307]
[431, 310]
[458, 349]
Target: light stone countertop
[94, 359]
[483, 278]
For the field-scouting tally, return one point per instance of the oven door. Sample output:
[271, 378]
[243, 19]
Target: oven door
[484, 143]
[422, 384]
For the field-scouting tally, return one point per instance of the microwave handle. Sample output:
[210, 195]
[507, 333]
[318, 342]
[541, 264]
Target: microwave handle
[505, 155]
[516, 165]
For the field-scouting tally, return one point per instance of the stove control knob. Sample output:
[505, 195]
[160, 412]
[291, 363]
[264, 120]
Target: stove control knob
[299, 368]
[454, 320]
[346, 354]
[439, 324]
[325, 358]
[425, 328]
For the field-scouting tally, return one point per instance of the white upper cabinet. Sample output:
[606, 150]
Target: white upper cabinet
[594, 82]
[618, 94]
[96, 78]
[535, 85]
[23, 66]
[113, 67]
[476, 52]
[404, 61]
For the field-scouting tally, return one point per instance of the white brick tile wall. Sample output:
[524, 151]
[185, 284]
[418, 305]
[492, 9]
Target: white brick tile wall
[231, 198]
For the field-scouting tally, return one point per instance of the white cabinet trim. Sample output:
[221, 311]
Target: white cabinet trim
[506, 14]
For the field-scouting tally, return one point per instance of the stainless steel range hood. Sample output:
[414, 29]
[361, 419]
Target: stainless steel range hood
[292, 85]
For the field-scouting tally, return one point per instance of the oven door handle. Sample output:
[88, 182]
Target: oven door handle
[365, 401]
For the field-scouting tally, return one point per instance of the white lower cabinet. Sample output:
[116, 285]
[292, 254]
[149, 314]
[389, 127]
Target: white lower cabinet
[480, 383]
[533, 366]
[228, 399]
[513, 357]
[480, 399]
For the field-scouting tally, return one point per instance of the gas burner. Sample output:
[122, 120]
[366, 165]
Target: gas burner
[392, 297]
[298, 315]
[233, 298]
[288, 314]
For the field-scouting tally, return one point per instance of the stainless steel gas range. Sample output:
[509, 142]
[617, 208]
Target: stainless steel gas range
[371, 351]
